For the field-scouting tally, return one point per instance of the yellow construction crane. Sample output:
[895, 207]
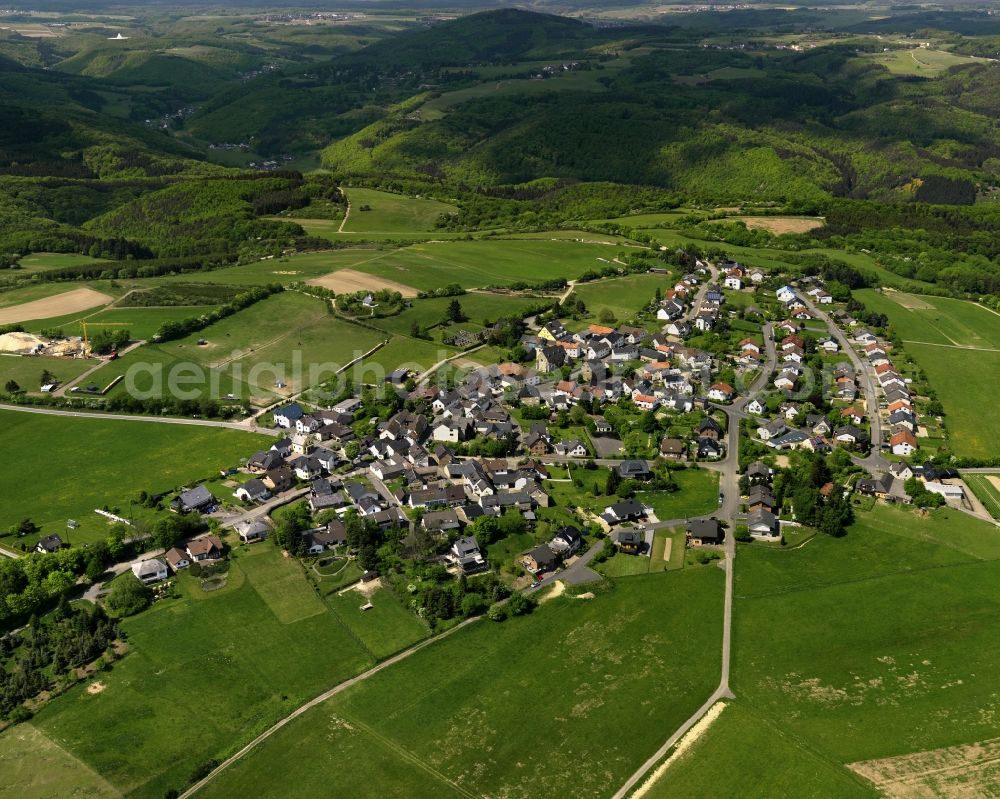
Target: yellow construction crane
[86, 337]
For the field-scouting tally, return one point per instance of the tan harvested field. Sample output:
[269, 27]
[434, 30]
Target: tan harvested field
[949, 773]
[781, 224]
[347, 281]
[60, 305]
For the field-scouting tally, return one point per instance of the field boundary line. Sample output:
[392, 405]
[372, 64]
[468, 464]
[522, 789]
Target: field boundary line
[953, 346]
[410, 757]
[318, 700]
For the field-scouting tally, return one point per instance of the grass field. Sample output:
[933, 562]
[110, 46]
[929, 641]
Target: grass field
[385, 628]
[141, 323]
[67, 467]
[629, 666]
[986, 490]
[202, 676]
[878, 644]
[623, 296]
[922, 61]
[957, 344]
[247, 353]
[698, 495]
[473, 264]
[477, 307]
[33, 765]
[745, 741]
[41, 261]
[392, 213]
[27, 371]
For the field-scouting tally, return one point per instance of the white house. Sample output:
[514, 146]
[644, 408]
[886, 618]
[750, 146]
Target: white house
[288, 416]
[733, 282]
[150, 571]
[756, 407]
[785, 294]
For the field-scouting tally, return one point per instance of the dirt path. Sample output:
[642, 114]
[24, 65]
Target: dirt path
[347, 214]
[690, 739]
[318, 701]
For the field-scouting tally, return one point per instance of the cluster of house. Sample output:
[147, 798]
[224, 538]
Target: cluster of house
[548, 556]
[708, 442]
[816, 433]
[794, 305]
[666, 377]
[205, 548]
[762, 521]
[890, 485]
[899, 404]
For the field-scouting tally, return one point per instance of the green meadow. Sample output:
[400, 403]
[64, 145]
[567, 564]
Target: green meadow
[477, 713]
[205, 673]
[27, 371]
[67, 467]
[375, 211]
[288, 336]
[623, 296]
[877, 644]
[744, 740]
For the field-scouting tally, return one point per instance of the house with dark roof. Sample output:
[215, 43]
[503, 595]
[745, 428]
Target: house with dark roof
[704, 532]
[566, 541]
[198, 499]
[540, 559]
[630, 541]
[51, 543]
[634, 470]
[287, 417]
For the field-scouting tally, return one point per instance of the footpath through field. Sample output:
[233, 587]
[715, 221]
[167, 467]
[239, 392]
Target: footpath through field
[318, 701]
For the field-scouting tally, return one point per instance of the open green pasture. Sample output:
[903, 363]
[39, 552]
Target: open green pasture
[478, 307]
[289, 336]
[26, 371]
[392, 213]
[141, 323]
[67, 467]
[623, 296]
[698, 494]
[936, 320]
[386, 627]
[471, 264]
[204, 675]
[878, 644]
[922, 61]
[782, 764]
[41, 261]
[478, 714]
[35, 766]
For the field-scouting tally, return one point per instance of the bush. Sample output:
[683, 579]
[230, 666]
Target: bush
[128, 596]
[203, 771]
[473, 604]
[497, 612]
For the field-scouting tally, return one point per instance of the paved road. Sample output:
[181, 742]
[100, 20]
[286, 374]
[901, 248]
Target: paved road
[319, 700]
[865, 375]
[728, 509]
[260, 511]
[246, 427]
